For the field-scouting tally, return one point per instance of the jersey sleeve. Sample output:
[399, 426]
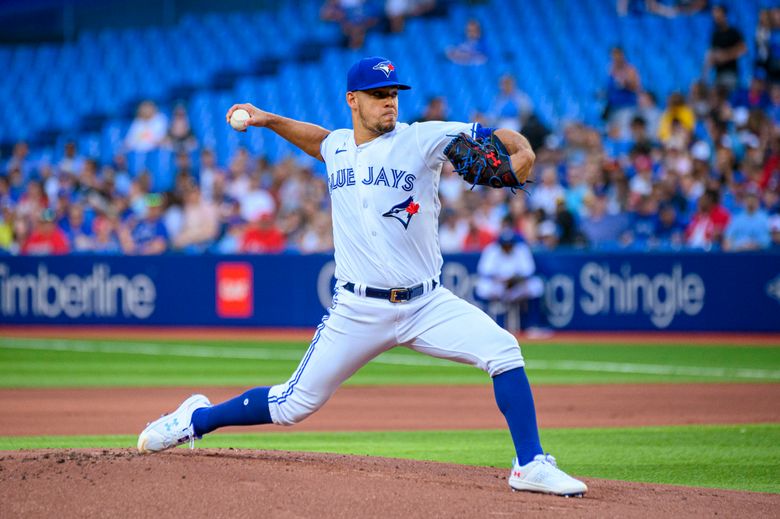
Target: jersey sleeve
[433, 137]
[324, 146]
[332, 142]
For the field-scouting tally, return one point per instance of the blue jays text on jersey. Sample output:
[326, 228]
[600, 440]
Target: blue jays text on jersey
[378, 176]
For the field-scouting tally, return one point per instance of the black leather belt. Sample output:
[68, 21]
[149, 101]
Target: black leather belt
[394, 295]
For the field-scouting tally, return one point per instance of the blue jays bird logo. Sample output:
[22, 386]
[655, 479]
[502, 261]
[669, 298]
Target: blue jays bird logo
[385, 67]
[404, 211]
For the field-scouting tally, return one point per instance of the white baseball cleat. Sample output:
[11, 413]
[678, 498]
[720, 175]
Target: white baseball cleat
[172, 429]
[543, 475]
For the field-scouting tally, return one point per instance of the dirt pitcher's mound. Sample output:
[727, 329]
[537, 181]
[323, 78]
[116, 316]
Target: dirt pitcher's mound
[233, 483]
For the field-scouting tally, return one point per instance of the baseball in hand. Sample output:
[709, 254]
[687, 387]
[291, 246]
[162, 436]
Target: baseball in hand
[238, 119]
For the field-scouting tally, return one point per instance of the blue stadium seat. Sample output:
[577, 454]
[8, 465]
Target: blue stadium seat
[558, 51]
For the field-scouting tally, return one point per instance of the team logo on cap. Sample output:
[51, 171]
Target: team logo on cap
[386, 67]
[404, 211]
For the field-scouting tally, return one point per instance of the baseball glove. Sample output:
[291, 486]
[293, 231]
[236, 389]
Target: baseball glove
[482, 161]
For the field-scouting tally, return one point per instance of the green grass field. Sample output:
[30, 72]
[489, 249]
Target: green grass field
[83, 363]
[741, 457]
[745, 457]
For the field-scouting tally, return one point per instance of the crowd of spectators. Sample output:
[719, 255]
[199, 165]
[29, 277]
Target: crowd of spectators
[357, 17]
[78, 205]
[700, 170]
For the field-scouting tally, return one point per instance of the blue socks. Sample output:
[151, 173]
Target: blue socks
[250, 408]
[512, 390]
[515, 401]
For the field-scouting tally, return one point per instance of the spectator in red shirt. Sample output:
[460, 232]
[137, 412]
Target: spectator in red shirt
[477, 238]
[46, 238]
[708, 223]
[263, 237]
[770, 177]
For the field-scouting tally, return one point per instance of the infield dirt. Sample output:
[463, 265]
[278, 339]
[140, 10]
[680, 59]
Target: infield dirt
[389, 408]
[226, 483]
[233, 483]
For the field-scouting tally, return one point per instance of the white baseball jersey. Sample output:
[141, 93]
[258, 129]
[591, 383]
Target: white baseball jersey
[385, 203]
[385, 229]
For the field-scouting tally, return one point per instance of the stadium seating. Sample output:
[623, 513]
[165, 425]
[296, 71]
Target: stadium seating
[88, 90]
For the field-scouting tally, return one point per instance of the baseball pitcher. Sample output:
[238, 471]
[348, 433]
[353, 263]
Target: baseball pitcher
[383, 179]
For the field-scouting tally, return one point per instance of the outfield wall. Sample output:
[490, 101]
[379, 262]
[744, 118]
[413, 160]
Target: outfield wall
[584, 291]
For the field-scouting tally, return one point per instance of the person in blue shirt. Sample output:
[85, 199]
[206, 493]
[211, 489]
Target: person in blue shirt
[600, 228]
[643, 222]
[755, 96]
[669, 232]
[149, 235]
[773, 107]
[472, 51]
[512, 107]
[748, 230]
[623, 87]
[774, 231]
[77, 228]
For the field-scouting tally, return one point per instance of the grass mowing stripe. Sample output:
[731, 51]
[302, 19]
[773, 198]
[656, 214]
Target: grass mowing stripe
[742, 457]
[259, 353]
[656, 369]
[189, 350]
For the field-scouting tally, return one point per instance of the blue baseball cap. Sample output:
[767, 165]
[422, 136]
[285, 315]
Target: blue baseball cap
[507, 236]
[376, 72]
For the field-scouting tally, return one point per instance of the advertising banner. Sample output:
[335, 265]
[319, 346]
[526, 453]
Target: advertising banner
[583, 291]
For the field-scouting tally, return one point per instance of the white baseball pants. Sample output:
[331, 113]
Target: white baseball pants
[358, 328]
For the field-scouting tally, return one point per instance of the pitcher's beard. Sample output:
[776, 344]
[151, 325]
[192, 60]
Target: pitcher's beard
[379, 128]
[382, 129]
